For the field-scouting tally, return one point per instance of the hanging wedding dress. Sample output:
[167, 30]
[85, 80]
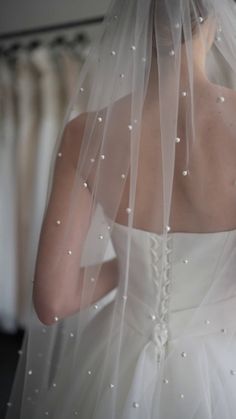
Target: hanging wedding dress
[8, 202]
[134, 293]
[26, 145]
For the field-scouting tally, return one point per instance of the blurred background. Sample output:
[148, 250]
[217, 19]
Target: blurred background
[42, 47]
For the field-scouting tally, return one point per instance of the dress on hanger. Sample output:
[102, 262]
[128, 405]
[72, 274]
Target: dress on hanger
[8, 202]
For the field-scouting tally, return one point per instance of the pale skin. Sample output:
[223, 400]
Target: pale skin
[202, 202]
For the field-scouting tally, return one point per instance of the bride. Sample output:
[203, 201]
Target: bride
[134, 293]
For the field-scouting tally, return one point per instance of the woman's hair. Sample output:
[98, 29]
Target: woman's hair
[198, 11]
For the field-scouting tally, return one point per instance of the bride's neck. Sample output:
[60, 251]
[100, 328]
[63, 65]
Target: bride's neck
[199, 76]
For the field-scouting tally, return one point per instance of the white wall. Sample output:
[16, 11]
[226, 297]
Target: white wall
[23, 14]
[27, 14]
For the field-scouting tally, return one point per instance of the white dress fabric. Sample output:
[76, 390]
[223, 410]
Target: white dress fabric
[196, 360]
[27, 138]
[8, 202]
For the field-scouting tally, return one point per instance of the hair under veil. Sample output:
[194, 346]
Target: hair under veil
[134, 292]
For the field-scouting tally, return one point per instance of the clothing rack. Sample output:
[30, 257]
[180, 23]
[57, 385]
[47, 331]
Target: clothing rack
[51, 28]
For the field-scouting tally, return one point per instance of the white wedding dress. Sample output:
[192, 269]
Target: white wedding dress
[169, 371]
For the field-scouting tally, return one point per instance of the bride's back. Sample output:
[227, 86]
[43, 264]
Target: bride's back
[204, 200]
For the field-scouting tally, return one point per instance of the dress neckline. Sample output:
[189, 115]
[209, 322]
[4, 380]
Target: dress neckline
[175, 233]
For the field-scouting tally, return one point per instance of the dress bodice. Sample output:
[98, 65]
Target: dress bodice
[200, 270]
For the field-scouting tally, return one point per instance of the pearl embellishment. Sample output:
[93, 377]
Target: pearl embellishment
[135, 405]
[220, 99]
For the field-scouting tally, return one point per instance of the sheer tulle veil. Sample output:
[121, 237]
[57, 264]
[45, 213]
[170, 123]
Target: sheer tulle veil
[141, 154]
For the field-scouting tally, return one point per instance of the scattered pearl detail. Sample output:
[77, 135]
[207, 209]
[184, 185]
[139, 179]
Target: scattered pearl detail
[136, 405]
[184, 93]
[99, 119]
[220, 99]
[102, 156]
[30, 372]
[58, 222]
[56, 318]
[59, 154]
[81, 89]
[69, 252]
[128, 210]
[171, 53]
[123, 176]
[177, 140]
[233, 372]
[165, 381]
[207, 322]
[183, 354]
[100, 236]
